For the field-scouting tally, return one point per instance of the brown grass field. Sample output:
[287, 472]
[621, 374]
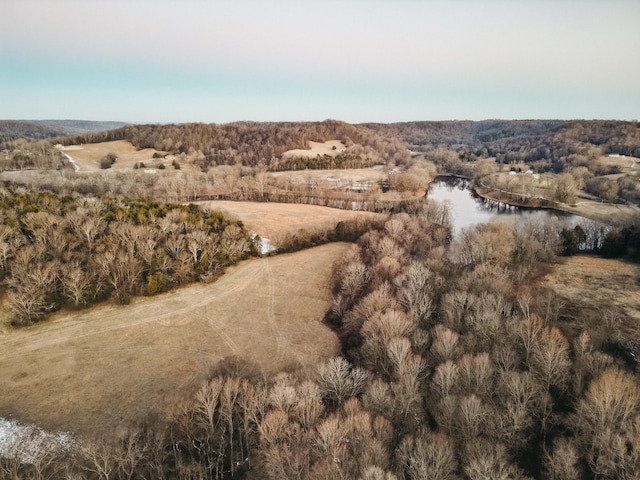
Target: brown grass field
[88, 155]
[372, 174]
[92, 370]
[271, 220]
[602, 286]
[330, 147]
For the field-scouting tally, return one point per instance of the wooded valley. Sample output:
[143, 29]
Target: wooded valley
[458, 361]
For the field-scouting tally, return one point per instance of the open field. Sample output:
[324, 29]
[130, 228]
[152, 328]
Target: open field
[343, 177]
[88, 155]
[330, 147]
[605, 212]
[611, 284]
[270, 220]
[626, 164]
[92, 370]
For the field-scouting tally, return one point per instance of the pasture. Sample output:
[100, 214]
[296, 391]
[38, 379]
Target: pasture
[88, 155]
[272, 220]
[330, 147]
[614, 295]
[90, 371]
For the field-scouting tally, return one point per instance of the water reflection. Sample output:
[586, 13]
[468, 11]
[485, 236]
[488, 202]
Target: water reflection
[468, 208]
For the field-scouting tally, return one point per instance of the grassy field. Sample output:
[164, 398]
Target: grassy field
[613, 287]
[88, 156]
[96, 369]
[271, 220]
[344, 177]
[330, 147]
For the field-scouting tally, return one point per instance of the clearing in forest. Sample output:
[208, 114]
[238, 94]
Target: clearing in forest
[272, 220]
[88, 155]
[613, 299]
[330, 147]
[95, 369]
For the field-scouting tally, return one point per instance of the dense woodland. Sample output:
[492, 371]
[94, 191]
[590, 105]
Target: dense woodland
[74, 251]
[518, 140]
[455, 364]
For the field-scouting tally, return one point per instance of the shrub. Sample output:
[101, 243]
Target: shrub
[108, 160]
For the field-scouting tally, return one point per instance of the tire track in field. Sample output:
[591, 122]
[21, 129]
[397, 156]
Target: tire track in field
[281, 341]
[166, 311]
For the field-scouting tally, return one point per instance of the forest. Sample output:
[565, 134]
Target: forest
[456, 363]
[57, 251]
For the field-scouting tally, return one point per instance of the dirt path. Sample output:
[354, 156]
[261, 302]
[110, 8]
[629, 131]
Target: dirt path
[100, 367]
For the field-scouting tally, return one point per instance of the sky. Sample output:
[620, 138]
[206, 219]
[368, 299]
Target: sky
[218, 61]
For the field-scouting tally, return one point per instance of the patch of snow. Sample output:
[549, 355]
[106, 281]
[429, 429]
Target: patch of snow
[27, 443]
[76, 167]
[265, 244]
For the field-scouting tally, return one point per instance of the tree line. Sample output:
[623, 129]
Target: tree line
[454, 366]
[572, 148]
[245, 143]
[73, 251]
[528, 141]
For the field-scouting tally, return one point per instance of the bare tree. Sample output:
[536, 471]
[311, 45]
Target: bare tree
[563, 461]
[417, 287]
[550, 360]
[476, 374]
[76, 284]
[99, 459]
[376, 473]
[378, 398]
[338, 380]
[427, 455]
[608, 422]
[485, 460]
[445, 345]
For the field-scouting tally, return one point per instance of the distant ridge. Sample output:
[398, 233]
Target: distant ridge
[82, 126]
[42, 129]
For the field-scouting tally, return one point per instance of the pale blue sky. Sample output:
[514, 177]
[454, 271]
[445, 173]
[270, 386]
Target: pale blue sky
[354, 60]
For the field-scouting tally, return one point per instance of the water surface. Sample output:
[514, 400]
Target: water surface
[468, 209]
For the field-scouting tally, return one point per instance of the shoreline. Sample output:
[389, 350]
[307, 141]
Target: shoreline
[605, 216]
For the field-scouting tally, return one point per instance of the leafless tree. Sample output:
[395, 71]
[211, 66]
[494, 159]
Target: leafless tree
[76, 284]
[427, 455]
[563, 461]
[338, 380]
[485, 460]
[608, 422]
[476, 374]
[445, 345]
[100, 459]
[417, 287]
[376, 473]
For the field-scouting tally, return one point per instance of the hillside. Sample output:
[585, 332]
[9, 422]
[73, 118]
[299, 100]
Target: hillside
[93, 370]
[479, 354]
[43, 129]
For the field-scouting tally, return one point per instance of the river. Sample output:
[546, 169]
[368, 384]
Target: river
[468, 209]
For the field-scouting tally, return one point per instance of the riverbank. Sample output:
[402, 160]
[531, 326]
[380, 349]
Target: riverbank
[609, 213]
